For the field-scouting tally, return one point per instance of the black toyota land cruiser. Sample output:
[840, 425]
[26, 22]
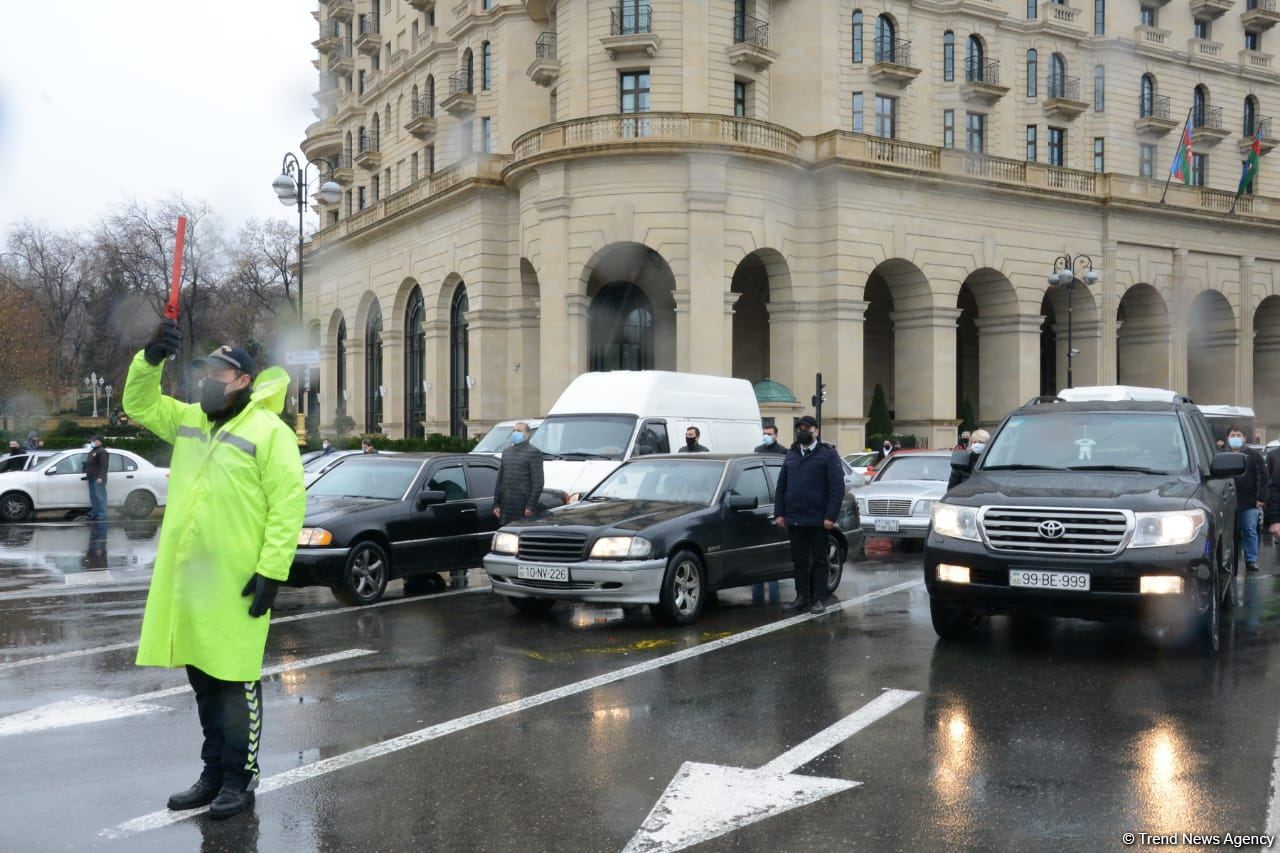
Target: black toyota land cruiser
[1104, 509]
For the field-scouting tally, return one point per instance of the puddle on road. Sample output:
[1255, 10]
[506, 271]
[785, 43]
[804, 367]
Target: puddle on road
[57, 554]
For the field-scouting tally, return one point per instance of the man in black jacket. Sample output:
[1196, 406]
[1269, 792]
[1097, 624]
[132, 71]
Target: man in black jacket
[519, 478]
[95, 471]
[1272, 511]
[1251, 491]
[692, 443]
[771, 444]
[807, 503]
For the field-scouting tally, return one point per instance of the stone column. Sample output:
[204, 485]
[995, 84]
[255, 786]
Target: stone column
[1179, 304]
[784, 350]
[1108, 306]
[840, 360]
[355, 380]
[1008, 364]
[684, 330]
[730, 301]
[393, 380]
[435, 334]
[577, 332]
[1244, 347]
[328, 387]
[488, 330]
[925, 374]
[557, 365]
[529, 371]
[706, 283]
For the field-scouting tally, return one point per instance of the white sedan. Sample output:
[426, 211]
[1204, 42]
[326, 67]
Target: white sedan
[134, 485]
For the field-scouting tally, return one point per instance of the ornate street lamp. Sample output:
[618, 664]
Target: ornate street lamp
[1068, 270]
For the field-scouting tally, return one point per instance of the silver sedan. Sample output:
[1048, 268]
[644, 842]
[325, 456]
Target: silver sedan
[897, 501]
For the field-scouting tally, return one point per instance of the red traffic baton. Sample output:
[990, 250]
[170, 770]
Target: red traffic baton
[175, 286]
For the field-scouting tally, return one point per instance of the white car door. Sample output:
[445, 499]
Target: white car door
[122, 476]
[63, 484]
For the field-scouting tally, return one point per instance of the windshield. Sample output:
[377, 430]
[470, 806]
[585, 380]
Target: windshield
[496, 439]
[911, 467]
[367, 478]
[861, 460]
[1149, 442]
[662, 480]
[589, 436]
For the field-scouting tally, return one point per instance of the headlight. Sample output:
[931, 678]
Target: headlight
[958, 522]
[1155, 529]
[505, 543]
[862, 505]
[621, 548]
[314, 537]
[922, 508]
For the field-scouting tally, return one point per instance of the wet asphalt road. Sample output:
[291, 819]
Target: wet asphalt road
[1068, 735]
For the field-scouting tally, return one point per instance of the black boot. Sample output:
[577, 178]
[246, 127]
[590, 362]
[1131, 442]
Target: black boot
[230, 802]
[200, 794]
[817, 607]
[801, 603]
[1251, 567]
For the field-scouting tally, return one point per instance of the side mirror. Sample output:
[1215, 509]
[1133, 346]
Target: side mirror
[741, 502]
[961, 460]
[1226, 465]
[428, 498]
[50, 471]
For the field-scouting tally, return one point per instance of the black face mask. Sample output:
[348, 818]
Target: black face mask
[964, 442]
[804, 436]
[214, 399]
[691, 441]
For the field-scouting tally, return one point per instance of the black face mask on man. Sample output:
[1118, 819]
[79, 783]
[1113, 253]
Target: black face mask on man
[804, 436]
[691, 440]
[214, 399]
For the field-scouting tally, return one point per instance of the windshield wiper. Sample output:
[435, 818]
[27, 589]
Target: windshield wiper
[549, 454]
[595, 498]
[585, 455]
[1137, 469]
[1019, 467]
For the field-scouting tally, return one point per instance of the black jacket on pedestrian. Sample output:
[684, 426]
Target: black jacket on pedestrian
[519, 481]
[95, 467]
[1251, 486]
[771, 448]
[697, 448]
[810, 486]
[958, 477]
[1273, 463]
[1271, 513]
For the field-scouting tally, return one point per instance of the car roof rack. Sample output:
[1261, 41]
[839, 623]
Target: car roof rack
[1042, 400]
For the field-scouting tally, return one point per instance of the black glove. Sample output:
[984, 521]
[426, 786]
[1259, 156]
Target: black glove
[164, 342]
[263, 590]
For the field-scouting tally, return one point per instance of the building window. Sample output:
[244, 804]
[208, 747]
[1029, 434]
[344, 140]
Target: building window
[1148, 16]
[413, 167]
[739, 98]
[886, 116]
[975, 125]
[360, 82]
[415, 366]
[1199, 106]
[857, 36]
[553, 106]
[948, 128]
[431, 95]
[857, 112]
[469, 69]
[431, 159]
[340, 371]
[1057, 146]
[1147, 96]
[373, 371]
[486, 66]
[633, 97]
[1146, 160]
[1202, 29]
[361, 201]
[886, 40]
[949, 56]
[1031, 143]
[1032, 10]
[1250, 116]
[1199, 169]
[375, 184]
[1099, 17]
[1099, 155]
[348, 201]
[486, 135]
[1252, 40]
[1033, 72]
[621, 328]
[459, 364]
[1058, 76]
[974, 67]
[1099, 88]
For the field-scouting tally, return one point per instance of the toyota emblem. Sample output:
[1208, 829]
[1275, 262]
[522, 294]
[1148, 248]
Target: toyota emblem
[1052, 529]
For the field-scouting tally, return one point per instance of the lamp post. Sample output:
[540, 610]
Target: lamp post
[109, 389]
[1067, 270]
[93, 381]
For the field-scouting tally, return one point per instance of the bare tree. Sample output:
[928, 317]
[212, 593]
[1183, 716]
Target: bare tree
[263, 263]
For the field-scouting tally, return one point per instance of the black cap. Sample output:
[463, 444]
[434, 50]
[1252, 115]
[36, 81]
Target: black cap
[95, 438]
[807, 420]
[225, 356]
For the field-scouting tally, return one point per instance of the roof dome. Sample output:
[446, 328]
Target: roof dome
[768, 391]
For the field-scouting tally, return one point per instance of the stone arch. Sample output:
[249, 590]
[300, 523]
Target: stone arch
[529, 366]
[987, 346]
[336, 341]
[368, 300]
[1266, 367]
[395, 322]
[412, 311]
[760, 278]
[900, 322]
[1211, 349]
[1070, 321]
[631, 313]
[1142, 338]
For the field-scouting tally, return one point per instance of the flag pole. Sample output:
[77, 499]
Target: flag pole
[1169, 177]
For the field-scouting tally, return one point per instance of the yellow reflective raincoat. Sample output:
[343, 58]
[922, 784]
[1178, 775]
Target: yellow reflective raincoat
[236, 504]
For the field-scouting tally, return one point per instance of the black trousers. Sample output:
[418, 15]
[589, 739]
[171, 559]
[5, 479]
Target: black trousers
[231, 718]
[809, 559]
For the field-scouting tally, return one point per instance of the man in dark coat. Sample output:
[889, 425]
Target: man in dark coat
[33, 441]
[1251, 493]
[771, 444]
[519, 478]
[807, 503]
[691, 441]
[95, 471]
[1272, 511]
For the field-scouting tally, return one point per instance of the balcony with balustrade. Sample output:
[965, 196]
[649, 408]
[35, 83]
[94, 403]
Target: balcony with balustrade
[330, 35]
[323, 140]
[1059, 19]
[1153, 41]
[982, 81]
[368, 154]
[423, 5]
[421, 123]
[342, 10]
[631, 31]
[893, 62]
[1064, 101]
[1210, 9]
[750, 43]
[342, 172]
[1267, 137]
[1259, 15]
[1154, 118]
[1207, 126]
[545, 67]
[1205, 52]
[368, 38]
[461, 99]
[1257, 64]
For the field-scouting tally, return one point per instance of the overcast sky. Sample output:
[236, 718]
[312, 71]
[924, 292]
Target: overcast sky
[105, 100]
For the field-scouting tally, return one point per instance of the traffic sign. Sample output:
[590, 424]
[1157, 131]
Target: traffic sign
[302, 358]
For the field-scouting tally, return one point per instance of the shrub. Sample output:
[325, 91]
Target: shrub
[878, 422]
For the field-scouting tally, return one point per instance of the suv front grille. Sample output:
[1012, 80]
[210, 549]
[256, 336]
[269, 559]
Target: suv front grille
[552, 547]
[1086, 532]
[884, 506]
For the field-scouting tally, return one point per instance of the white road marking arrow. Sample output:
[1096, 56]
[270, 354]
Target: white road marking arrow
[705, 801]
[79, 710]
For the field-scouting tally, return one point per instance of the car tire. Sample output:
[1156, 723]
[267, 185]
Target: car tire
[1229, 594]
[533, 606]
[684, 590]
[364, 578]
[1210, 622]
[953, 621]
[139, 504]
[835, 562]
[15, 506]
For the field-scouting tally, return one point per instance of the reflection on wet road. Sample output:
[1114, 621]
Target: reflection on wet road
[448, 722]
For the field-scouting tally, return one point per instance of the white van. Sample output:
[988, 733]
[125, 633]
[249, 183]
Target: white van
[603, 419]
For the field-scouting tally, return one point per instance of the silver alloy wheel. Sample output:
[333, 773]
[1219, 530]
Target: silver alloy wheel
[687, 588]
[139, 504]
[834, 564]
[14, 508]
[366, 573]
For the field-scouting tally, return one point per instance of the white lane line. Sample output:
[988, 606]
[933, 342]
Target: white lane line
[306, 772]
[802, 753]
[79, 710]
[314, 614]
[1273, 808]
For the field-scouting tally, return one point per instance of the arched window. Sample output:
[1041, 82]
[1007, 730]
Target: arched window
[372, 142]
[373, 371]
[1057, 76]
[1250, 115]
[886, 43]
[415, 102]
[459, 364]
[621, 321]
[431, 95]
[1199, 106]
[386, 122]
[468, 67]
[948, 56]
[341, 372]
[1099, 88]
[1033, 72]
[415, 366]
[362, 138]
[857, 35]
[346, 152]
[486, 66]
[1099, 17]
[1147, 97]
[973, 64]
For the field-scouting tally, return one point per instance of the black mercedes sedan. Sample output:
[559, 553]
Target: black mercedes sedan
[372, 519]
[665, 531]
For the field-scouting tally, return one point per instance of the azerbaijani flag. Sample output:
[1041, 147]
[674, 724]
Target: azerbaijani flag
[1181, 168]
[1249, 167]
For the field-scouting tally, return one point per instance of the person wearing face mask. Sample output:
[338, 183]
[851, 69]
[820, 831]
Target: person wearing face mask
[770, 444]
[326, 447]
[519, 478]
[977, 444]
[95, 472]
[691, 445]
[807, 503]
[886, 450]
[235, 509]
[965, 438]
[1251, 492]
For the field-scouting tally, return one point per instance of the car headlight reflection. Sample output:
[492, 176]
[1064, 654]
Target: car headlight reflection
[505, 543]
[1156, 529]
[958, 522]
[621, 548]
[314, 537]
[922, 508]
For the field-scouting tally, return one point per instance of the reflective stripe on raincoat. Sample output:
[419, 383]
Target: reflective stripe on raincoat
[236, 504]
